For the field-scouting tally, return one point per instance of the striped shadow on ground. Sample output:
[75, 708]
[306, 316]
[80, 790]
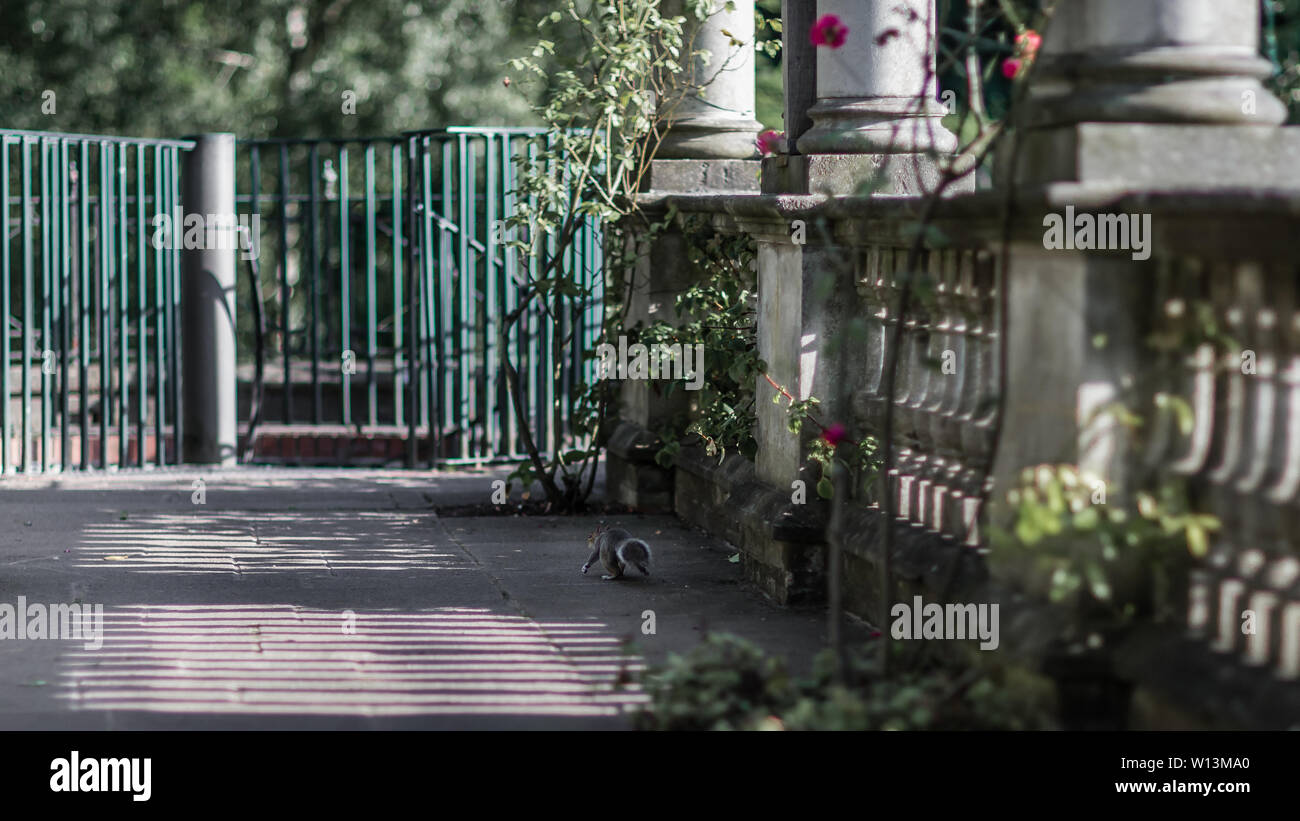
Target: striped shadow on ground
[282, 659]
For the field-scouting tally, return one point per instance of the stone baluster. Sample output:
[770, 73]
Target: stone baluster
[911, 384]
[950, 347]
[868, 401]
[1169, 375]
[1288, 637]
[963, 387]
[1233, 591]
[980, 408]
[1232, 465]
[1203, 595]
[1264, 646]
[900, 481]
[1286, 489]
[928, 391]
[876, 288]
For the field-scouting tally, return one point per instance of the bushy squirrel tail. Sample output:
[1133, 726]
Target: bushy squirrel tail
[636, 553]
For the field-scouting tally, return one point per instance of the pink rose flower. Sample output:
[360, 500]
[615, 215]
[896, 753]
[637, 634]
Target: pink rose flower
[1011, 67]
[829, 31]
[1029, 42]
[834, 434]
[769, 141]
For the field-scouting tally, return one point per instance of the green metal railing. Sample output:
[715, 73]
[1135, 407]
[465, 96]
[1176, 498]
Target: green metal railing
[383, 269]
[90, 343]
[320, 239]
[462, 190]
[386, 275]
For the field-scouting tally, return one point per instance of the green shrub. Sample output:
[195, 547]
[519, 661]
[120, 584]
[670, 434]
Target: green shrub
[727, 683]
[724, 683]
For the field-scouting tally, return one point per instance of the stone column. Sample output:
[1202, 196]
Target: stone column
[1161, 92]
[877, 118]
[878, 93]
[716, 121]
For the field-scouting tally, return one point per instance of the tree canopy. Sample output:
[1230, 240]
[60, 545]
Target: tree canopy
[261, 67]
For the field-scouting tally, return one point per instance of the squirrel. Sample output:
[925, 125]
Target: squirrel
[616, 549]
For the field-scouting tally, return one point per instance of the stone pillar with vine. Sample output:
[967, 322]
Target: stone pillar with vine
[707, 148]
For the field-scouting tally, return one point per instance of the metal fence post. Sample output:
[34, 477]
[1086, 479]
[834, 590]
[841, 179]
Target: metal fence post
[208, 302]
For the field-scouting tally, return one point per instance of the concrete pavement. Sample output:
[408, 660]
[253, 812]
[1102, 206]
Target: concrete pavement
[339, 599]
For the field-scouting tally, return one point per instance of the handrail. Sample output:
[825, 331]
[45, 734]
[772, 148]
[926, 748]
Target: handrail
[16, 133]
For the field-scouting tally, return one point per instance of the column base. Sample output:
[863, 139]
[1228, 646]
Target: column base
[878, 125]
[693, 176]
[1157, 155]
[730, 139]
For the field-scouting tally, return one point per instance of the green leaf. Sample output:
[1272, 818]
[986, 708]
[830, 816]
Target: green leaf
[1097, 581]
[1027, 530]
[1087, 519]
[825, 488]
[1181, 409]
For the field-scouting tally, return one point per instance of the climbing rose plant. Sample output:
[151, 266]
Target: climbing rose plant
[607, 108]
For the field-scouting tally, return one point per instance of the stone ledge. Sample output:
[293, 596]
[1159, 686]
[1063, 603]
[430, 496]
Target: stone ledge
[982, 212]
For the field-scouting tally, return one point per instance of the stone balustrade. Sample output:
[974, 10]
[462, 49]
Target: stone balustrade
[946, 386]
[1240, 445]
[1014, 347]
[1217, 293]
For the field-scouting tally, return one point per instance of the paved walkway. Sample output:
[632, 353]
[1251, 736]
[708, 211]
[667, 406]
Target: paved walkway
[340, 599]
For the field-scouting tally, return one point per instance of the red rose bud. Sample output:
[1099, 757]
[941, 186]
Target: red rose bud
[834, 434]
[1011, 67]
[1029, 42]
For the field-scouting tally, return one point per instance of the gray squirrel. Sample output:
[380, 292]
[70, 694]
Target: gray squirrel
[616, 549]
